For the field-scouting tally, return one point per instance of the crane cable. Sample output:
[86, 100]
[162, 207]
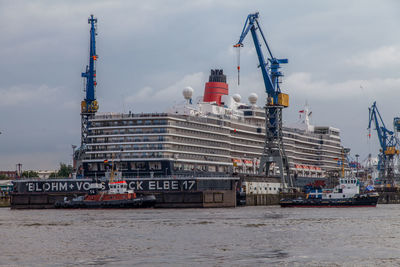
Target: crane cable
[238, 63]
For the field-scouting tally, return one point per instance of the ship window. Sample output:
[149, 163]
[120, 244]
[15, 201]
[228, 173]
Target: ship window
[343, 196]
[330, 196]
[138, 165]
[211, 168]
[139, 122]
[147, 122]
[155, 165]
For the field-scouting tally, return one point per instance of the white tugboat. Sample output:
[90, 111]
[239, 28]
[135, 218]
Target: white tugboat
[345, 194]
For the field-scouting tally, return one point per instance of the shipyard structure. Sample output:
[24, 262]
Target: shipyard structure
[213, 151]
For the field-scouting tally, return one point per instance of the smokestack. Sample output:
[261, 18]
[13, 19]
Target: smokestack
[216, 87]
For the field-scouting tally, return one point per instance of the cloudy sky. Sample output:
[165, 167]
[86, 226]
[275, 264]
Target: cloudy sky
[343, 55]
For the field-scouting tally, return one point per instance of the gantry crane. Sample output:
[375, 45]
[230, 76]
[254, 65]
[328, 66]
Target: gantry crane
[389, 145]
[274, 152]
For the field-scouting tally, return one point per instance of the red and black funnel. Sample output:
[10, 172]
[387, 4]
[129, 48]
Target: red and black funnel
[216, 87]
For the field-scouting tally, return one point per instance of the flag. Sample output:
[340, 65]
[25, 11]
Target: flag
[309, 114]
[301, 111]
[370, 188]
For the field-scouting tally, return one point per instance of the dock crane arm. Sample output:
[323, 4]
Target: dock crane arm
[90, 105]
[386, 138]
[270, 74]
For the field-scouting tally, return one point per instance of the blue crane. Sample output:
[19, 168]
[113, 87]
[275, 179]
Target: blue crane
[273, 149]
[90, 105]
[388, 143]
[270, 73]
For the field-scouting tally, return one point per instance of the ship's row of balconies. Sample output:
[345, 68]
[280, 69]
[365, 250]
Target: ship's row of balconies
[199, 126]
[128, 116]
[190, 122]
[192, 132]
[185, 129]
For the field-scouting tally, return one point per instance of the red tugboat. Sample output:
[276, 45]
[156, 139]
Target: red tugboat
[117, 196]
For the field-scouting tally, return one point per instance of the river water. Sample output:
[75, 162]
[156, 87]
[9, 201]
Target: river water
[248, 236]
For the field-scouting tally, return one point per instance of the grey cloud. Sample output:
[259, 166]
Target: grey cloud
[156, 44]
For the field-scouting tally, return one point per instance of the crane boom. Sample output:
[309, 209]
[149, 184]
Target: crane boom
[270, 74]
[387, 139]
[89, 105]
[274, 152]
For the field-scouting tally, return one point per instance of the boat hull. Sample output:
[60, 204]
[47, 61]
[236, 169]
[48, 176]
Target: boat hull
[322, 203]
[139, 202]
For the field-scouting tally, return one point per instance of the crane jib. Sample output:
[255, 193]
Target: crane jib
[270, 71]
[90, 105]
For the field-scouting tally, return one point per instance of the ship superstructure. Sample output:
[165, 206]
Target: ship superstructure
[217, 135]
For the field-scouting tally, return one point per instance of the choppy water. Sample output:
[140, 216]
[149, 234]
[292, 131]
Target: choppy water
[250, 236]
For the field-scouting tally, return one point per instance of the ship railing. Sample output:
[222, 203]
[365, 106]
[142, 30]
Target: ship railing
[128, 126]
[188, 126]
[129, 115]
[172, 176]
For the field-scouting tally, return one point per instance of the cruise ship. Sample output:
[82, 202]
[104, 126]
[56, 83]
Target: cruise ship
[217, 135]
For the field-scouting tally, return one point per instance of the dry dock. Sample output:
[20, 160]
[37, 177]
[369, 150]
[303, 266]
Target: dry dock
[183, 192]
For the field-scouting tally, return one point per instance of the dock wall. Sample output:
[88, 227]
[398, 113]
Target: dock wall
[169, 192]
[389, 198]
[269, 199]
